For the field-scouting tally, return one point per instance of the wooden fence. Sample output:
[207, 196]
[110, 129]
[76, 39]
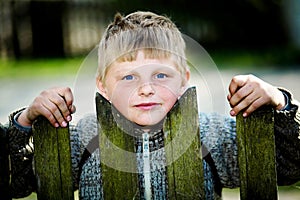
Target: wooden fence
[185, 176]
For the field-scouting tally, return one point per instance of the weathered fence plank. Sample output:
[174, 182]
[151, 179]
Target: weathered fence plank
[256, 148]
[4, 165]
[183, 149]
[117, 155]
[52, 161]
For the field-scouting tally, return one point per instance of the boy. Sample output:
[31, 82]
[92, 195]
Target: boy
[143, 71]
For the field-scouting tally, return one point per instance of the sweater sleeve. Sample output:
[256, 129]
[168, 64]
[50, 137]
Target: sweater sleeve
[21, 160]
[287, 139]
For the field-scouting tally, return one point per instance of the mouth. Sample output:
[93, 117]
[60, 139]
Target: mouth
[146, 106]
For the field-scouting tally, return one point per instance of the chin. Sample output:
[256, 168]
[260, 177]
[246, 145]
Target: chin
[148, 121]
[145, 123]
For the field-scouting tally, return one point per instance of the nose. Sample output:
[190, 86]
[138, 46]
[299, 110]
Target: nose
[146, 89]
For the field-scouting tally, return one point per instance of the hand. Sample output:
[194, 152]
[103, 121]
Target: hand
[56, 104]
[248, 93]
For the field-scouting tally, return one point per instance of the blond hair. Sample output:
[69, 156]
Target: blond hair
[156, 35]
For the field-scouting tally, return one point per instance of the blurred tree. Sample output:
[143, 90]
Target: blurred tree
[230, 23]
[292, 19]
[241, 24]
[47, 31]
[15, 41]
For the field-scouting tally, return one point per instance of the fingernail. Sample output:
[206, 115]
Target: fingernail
[64, 124]
[228, 97]
[69, 118]
[245, 114]
[56, 125]
[232, 113]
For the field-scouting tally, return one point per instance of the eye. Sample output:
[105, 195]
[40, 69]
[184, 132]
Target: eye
[161, 75]
[128, 77]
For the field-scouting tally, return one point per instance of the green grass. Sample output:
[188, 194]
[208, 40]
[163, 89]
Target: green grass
[39, 67]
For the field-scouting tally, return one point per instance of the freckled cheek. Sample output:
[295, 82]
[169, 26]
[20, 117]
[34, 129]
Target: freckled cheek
[123, 100]
[121, 92]
[169, 99]
[122, 105]
[170, 104]
[168, 92]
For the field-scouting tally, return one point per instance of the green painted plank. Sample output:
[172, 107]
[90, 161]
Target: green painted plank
[52, 161]
[183, 149]
[118, 160]
[256, 146]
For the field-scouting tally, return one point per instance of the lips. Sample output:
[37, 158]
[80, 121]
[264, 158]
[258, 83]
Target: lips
[146, 106]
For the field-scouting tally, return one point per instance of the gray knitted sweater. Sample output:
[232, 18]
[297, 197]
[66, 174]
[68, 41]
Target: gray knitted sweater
[218, 134]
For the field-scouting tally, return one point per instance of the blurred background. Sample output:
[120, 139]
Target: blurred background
[68, 28]
[43, 43]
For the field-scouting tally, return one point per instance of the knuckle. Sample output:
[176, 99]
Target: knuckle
[239, 95]
[50, 117]
[235, 79]
[60, 102]
[44, 93]
[251, 76]
[38, 99]
[68, 89]
[255, 105]
[52, 108]
[65, 90]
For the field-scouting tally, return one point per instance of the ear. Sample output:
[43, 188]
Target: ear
[187, 75]
[102, 89]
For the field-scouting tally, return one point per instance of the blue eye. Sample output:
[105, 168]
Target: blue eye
[161, 75]
[128, 77]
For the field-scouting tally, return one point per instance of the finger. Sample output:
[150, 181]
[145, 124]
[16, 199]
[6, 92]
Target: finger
[52, 104]
[244, 104]
[67, 94]
[58, 109]
[66, 109]
[236, 83]
[72, 108]
[253, 106]
[44, 111]
[241, 94]
[229, 97]
[61, 104]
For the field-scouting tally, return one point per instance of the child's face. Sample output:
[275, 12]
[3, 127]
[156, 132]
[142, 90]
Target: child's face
[143, 90]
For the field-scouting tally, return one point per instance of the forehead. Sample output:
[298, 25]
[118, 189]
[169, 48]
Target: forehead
[145, 53]
[143, 56]
[142, 61]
